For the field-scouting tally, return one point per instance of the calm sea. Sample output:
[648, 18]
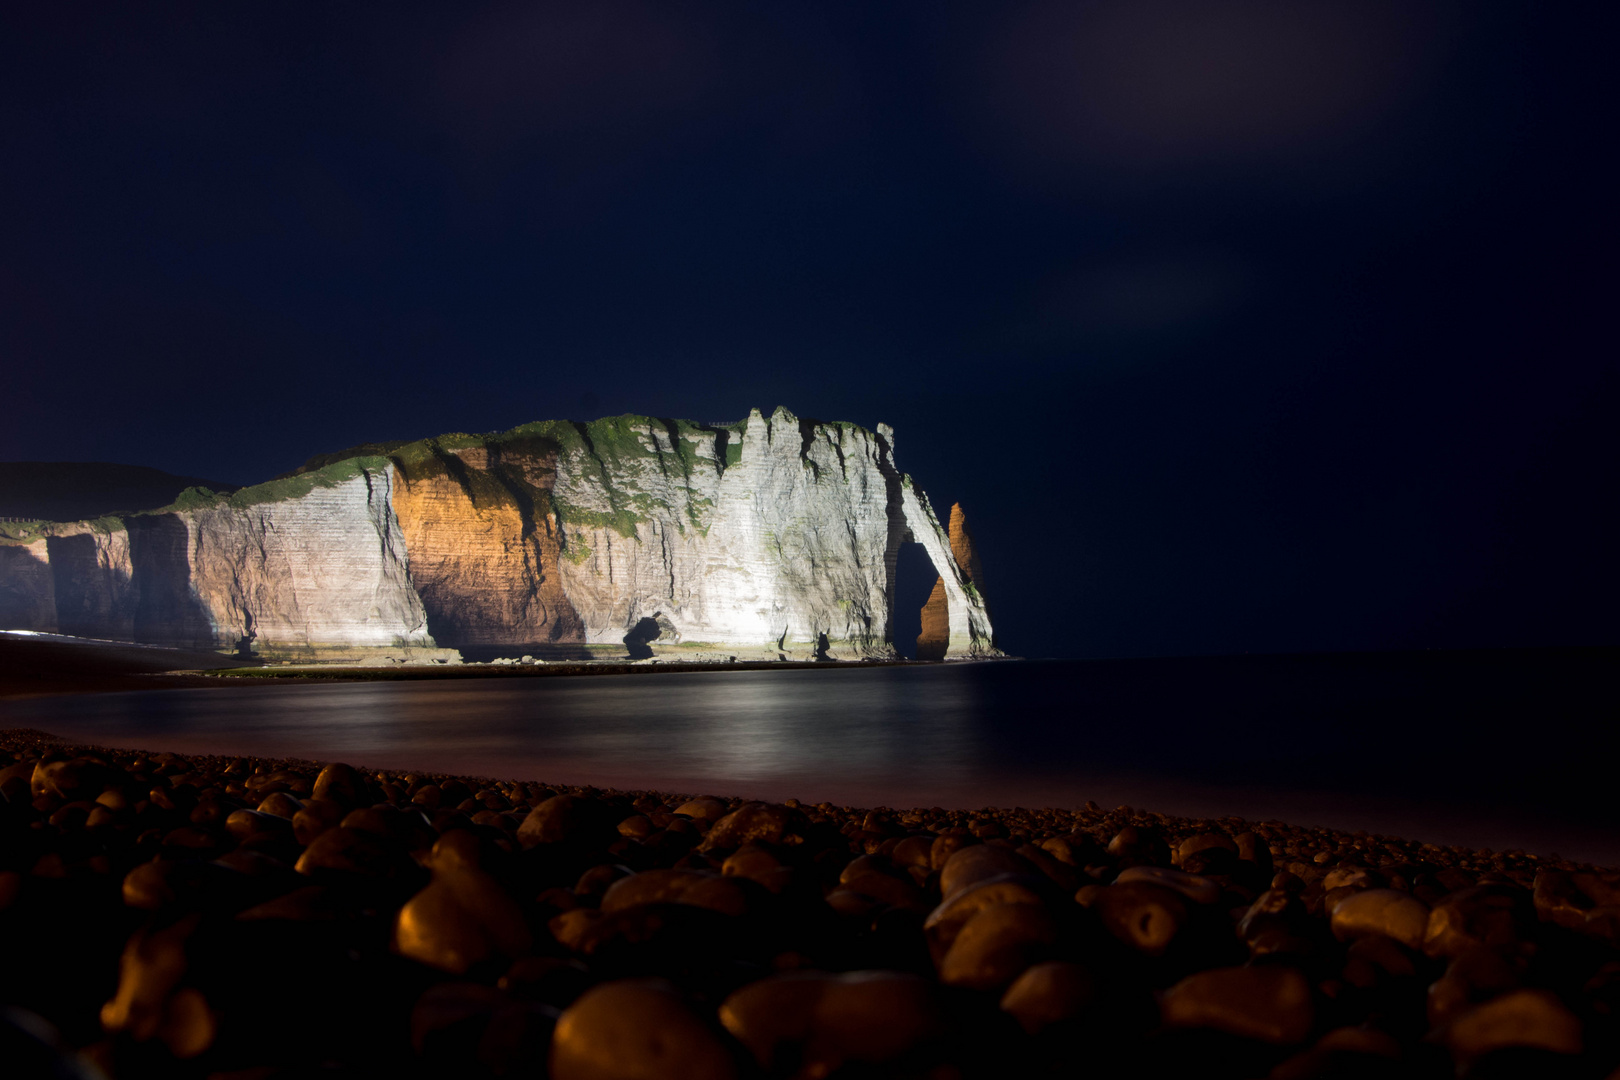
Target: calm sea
[1512, 749]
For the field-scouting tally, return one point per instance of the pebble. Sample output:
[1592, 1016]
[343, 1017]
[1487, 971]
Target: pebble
[703, 809]
[997, 945]
[636, 826]
[1254, 850]
[636, 1030]
[873, 1017]
[147, 887]
[1588, 903]
[941, 848]
[1132, 845]
[695, 887]
[1049, 993]
[945, 922]
[981, 862]
[824, 1022]
[314, 818]
[1144, 915]
[1531, 1018]
[558, 820]
[914, 852]
[280, 804]
[773, 1017]
[1478, 915]
[1271, 1004]
[1396, 915]
[760, 866]
[425, 932]
[349, 851]
[876, 877]
[1200, 890]
[339, 783]
[149, 973]
[753, 823]
[463, 916]
[1193, 845]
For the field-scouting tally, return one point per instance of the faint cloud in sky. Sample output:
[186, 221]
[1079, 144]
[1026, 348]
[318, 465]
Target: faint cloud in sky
[1141, 297]
[568, 67]
[1151, 84]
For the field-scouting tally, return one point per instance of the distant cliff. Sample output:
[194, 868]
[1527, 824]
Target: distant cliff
[69, 490]
[772, 536]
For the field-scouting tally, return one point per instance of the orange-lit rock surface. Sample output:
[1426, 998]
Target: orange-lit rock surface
[483, 545]
[934, 641]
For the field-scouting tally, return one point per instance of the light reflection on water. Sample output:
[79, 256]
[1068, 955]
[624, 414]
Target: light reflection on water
[1395, 744]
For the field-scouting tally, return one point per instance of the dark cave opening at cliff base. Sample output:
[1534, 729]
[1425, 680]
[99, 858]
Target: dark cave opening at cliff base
[914, 577]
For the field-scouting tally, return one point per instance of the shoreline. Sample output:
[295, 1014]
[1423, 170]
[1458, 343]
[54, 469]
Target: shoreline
[40, 665]
[407, 672]
[278, 914]
[40, 738]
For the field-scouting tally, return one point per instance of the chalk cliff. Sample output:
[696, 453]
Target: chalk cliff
[768, 537]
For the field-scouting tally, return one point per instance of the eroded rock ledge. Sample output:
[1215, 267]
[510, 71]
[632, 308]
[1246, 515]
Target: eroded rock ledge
[208, 916]
[767, 538]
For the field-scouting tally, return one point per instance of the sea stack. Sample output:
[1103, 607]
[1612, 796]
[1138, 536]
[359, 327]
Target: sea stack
[934, 643]
[768, 537]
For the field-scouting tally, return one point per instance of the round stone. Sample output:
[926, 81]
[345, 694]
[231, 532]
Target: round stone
[877, 1016]
[947, 920]
[1270, 1003]
[978, 863]
[341, 784]
[1144, 915]
[1389, 912]
[774, 1013]
[1521, 1018]
[636, 1030]
[1200, 890]
[997, 945]
[463, 916]
[1049, 993]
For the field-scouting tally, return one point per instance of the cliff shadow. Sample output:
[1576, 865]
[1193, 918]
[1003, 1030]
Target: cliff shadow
[167, 610]
[26, 594]
[91, 601]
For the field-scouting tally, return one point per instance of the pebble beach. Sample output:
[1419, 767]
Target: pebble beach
[202, 916]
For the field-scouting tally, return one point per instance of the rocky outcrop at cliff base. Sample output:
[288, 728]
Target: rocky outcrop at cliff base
[768, 537]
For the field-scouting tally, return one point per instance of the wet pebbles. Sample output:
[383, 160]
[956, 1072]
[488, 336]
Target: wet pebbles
[193, 916]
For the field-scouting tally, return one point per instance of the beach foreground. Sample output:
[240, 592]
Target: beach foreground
[234, 917]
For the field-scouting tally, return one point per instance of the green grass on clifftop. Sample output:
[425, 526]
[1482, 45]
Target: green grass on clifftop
[612, 451]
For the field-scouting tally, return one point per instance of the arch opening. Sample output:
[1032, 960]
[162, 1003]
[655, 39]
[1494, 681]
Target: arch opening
[914, 577]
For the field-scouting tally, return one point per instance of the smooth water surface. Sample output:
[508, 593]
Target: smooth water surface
[1497, 749]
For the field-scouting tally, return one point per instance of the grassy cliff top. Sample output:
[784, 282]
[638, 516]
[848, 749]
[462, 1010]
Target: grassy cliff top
[609, 441]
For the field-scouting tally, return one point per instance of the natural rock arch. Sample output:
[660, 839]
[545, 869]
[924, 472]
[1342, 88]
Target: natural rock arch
[934, 642]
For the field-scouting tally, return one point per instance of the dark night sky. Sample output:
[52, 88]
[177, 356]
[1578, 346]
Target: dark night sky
[1236, 325]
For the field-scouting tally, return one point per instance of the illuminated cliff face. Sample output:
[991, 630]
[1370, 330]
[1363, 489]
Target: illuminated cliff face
[484, 546]
[320, 572]
[769, 537]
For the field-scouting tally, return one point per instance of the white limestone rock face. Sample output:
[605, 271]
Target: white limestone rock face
[780, 553]
[772, 537]
[322, 571]
[326, 569]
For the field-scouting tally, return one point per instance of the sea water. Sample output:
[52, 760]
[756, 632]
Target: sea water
[1507, 750]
